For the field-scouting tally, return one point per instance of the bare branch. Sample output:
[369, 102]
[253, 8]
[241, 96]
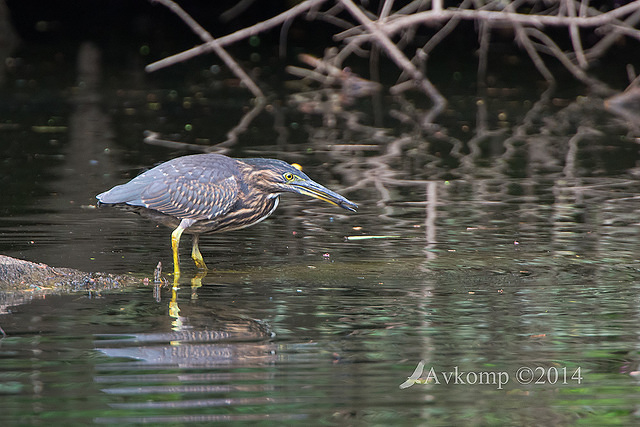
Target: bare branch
[574, 33]
[576, 71]
[237, 36]
[205, 36]
[232, 135]
[361, 32]
[496, 17]
[400, 59]
[153, 138]
[236, 10]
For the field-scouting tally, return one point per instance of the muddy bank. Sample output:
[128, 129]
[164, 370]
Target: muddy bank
[21, 281]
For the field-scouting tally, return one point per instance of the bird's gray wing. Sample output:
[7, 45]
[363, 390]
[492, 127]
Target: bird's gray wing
[192, 192]
[185, 198]
[195, 187]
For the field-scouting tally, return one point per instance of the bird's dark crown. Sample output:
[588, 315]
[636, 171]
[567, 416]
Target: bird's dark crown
[275, 165]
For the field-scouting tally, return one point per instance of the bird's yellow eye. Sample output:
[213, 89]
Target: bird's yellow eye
[288, 176]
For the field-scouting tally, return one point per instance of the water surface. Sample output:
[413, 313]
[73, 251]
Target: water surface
[502, 264]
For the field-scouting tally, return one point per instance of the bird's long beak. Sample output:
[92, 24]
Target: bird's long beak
[313, 189]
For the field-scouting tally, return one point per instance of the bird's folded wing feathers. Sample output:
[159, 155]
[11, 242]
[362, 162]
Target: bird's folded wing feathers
[189, 198]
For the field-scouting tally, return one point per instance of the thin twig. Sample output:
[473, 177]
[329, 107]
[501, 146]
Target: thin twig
[574, 34]
[237, 36]
[215, 46]
[236, 10]
[402, 22]
[152, 138]
[613, 35]
[232, 135]
[386, 9]
[523, 38]
[400, 59]
[577, 72]
[436, 39]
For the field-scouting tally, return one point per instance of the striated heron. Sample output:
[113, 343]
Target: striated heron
[211, 193]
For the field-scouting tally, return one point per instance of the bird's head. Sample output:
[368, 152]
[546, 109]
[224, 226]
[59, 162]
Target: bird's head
[276, 176]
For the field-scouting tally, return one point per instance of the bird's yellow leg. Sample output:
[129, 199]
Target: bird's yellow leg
[175, 244]
[196, 255]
